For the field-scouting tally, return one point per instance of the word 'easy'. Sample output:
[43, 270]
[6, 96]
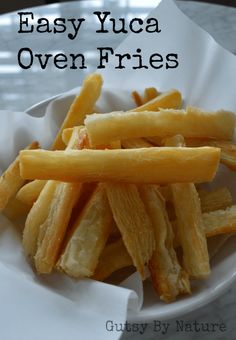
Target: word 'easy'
[104, 23]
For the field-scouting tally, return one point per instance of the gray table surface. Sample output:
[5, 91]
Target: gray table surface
[18, 91]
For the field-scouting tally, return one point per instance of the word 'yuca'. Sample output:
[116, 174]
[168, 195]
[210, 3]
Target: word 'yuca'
[103, 128]
[11, 181]
[145, 165]
[133, 222]
[88, 237]
[82, 105]
[168, 278]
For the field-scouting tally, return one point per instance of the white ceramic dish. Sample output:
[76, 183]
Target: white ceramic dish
[223, 264]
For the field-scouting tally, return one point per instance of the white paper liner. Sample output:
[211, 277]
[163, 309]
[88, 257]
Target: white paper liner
[56, 307]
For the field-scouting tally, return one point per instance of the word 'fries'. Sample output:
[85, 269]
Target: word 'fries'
[145, 165]
[103, 128]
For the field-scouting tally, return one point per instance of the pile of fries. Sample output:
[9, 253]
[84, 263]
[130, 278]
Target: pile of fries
[121, 190]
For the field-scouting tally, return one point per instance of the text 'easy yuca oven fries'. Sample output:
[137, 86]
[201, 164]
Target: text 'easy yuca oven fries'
[120, 191]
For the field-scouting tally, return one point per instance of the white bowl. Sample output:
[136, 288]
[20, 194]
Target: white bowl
[223, 264]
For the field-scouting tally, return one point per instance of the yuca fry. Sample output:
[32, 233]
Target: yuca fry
[167, 100]
[11, 181]
[191, 229]
[113, 258]
[82, 105]
[133, 222]
[168, 278]
[215, 223]
[29, 193]
[103, 128]
[36, 219]
[215, 199]
[228, 150]
[220, 221]
[150, 93]
[219, 198]
[137, 98]
[15, 209]
[146, 165]
[88, 237]
[48, 219]
[67, 133]
[228, 153]
[190, 224]
[53, 229]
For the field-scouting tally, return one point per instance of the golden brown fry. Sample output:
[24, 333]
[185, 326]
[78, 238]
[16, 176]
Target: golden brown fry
[16, 209]
[48, 219]
[82, 105]
[190, 224]
[150, 93]
[228, 150]
[113, 257]
[145, 165]
[219, 198]
[168, 278]
[216, 199]
[11, 181]
[36, 217]
[191, 229]
[228, 153]
[103, 128]
[133, 222]
[29, 193]
[215, 223]
[88, 237]
[67, 133]
[167, 100]
[220, 221]
[137, 98]
[53, 228]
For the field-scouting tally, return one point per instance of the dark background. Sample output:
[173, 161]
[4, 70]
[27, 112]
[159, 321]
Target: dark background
[13, 5]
